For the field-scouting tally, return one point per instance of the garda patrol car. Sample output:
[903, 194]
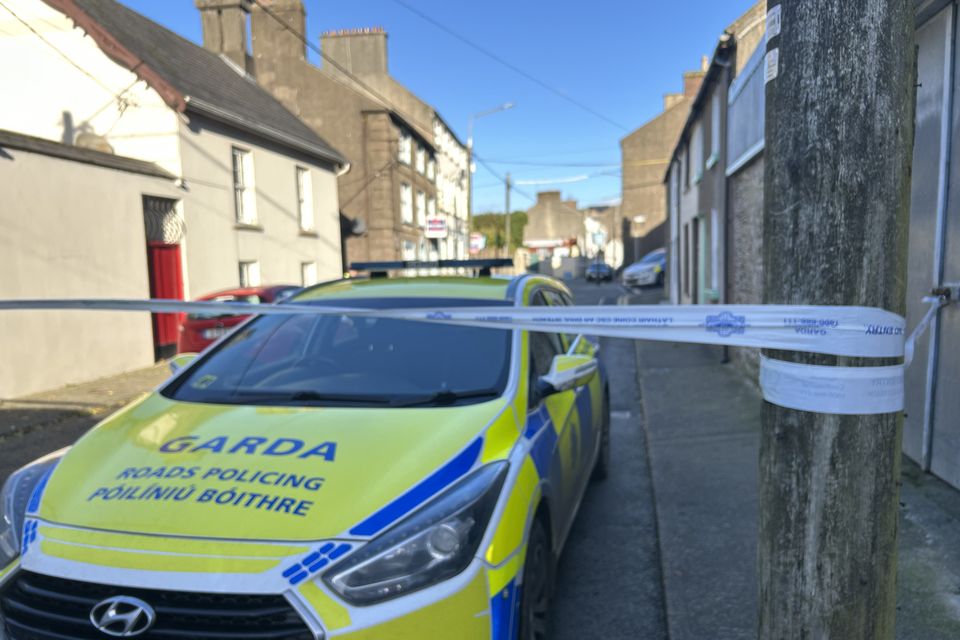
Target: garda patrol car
[322, 476]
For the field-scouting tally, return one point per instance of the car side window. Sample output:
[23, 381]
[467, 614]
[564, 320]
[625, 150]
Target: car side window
[543, 348]
[557, 299]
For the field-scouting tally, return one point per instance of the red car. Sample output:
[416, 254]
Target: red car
[201, 330]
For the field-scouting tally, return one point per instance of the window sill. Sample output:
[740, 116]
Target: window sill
[246, 226]
[309, 233]
[713, 160]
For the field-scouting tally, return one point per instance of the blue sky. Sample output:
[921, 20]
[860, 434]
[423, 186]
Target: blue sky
[617, 56]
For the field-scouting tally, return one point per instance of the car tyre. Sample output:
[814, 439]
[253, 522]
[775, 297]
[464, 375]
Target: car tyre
[601, 468]
[537, 582]
[660, 279]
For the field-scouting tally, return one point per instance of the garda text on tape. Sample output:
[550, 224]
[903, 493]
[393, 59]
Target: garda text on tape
[836, 330]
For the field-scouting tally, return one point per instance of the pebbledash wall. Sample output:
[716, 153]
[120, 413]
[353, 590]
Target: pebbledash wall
[72, 227]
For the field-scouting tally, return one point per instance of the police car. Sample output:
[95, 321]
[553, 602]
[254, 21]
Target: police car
[322, 476]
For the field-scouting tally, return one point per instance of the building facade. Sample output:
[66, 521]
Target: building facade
[74, 224]
[696, 180]
[257, 197]
[407, 165]
[645, 155]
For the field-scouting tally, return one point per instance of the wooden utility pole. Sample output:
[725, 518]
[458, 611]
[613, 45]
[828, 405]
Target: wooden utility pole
[839, 140]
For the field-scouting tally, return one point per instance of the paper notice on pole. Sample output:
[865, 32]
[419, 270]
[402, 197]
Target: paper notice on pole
[773, 23]
[772, 65]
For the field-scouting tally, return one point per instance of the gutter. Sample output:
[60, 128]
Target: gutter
[205, 108]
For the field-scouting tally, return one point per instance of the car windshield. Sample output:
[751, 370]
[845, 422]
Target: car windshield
[341, 360]
[656, 256]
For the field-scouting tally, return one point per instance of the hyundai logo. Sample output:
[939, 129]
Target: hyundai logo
[123, 617]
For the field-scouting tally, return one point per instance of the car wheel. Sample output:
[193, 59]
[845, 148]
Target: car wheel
[660, 279]
[601, 468]
[535, 594]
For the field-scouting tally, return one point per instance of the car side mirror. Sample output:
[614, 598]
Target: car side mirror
[567, 372]
[180, 361]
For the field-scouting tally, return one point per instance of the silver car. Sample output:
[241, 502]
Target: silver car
[648, 271]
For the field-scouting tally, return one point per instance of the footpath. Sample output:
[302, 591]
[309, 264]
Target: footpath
[35, 425]
[702, 420]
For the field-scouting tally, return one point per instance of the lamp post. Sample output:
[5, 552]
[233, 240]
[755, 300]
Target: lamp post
[470, 120]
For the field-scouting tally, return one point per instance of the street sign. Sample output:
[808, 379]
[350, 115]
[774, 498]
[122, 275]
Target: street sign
[478, 242]
[436, 228]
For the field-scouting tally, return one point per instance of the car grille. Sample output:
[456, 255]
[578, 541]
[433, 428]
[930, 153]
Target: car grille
[40, 607]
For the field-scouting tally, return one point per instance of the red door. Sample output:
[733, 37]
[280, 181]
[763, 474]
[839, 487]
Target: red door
[166, 281]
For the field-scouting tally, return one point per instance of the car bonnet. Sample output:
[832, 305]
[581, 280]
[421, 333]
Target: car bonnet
[259, 473]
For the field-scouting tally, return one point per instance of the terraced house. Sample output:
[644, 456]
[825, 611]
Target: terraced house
[407, 164]
[241, 191]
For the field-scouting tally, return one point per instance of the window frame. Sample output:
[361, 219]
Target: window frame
[406, 204]
[305, 202]
[244, 186]
[247, 269]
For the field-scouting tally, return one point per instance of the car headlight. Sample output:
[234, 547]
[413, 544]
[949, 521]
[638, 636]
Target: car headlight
[14, 500]
[434, 544]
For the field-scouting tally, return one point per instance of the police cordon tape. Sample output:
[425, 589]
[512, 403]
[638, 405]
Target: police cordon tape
[864, 332]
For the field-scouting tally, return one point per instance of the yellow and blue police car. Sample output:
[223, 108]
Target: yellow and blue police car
[322, 476]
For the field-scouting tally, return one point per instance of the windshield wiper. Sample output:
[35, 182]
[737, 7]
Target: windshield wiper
[447, 397]
[305, 395]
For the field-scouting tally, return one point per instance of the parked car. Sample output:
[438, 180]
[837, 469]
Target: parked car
[599, 271]
[200, 330]
[648, 271]
[317, 476]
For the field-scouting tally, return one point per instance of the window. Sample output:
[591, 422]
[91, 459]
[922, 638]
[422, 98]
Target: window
[421, 208]
[406, 203]
[714, 131]
[243, 189]
[431, 207]
[685, 162]
[686, 259]
[432, 169]
[409, 250]
[406, 145]
[421, 159]
[308, 273]
[250, 274]
[305, 199]
[696, 153]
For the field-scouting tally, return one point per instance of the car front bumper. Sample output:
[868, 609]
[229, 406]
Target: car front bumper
[641, 278]
[464, 603]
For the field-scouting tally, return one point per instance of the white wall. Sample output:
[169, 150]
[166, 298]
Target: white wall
[452, 196]
[48, 85]
[214, 244]
[71, 230]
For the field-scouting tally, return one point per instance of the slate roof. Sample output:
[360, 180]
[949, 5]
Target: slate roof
[209, 84]
[13, 140]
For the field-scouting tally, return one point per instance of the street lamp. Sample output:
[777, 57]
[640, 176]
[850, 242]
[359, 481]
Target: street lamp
[503, 107]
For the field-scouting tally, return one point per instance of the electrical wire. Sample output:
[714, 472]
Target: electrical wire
[61, 53]
[507, 64]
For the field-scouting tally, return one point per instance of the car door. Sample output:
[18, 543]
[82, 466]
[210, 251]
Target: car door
[560, 409]
[588, 398]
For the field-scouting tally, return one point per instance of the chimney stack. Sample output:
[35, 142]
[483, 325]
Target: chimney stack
[225, 28]
[360, 51]
[272, 42]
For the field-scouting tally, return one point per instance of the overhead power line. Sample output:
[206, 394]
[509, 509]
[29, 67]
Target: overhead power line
[502, 179]
[507, 64]
[601, 165]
